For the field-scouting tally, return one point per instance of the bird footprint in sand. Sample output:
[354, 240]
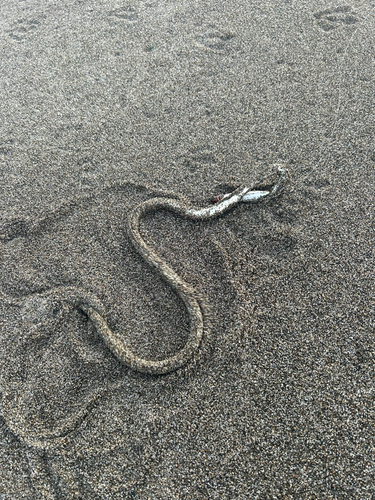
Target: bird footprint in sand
[331, 19]
[22, 27]
[127, 13]
[214, 39]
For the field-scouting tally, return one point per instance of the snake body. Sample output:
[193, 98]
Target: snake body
[63, 298]
[193, 301]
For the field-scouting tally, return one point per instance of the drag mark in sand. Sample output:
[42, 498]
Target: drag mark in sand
[44, 313]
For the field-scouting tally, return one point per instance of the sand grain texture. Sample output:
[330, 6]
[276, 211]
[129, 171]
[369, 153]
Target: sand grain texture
[104, 105]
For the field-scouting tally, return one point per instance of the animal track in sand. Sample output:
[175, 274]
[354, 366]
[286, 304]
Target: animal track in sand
[214, 39]
[126, 13]
[330, 19]
[22, 27]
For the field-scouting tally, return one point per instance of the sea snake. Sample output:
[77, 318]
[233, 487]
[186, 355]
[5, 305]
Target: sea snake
[57, 299]
[193, 302]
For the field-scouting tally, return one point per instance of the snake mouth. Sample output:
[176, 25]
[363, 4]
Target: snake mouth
[217, 198]
[255, 193]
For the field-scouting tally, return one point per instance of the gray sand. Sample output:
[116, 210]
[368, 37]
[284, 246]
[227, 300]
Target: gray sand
[105, 103]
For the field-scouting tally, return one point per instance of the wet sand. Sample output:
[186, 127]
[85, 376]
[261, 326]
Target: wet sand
[107, 104]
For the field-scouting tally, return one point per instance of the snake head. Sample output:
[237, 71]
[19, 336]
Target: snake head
[249, 195]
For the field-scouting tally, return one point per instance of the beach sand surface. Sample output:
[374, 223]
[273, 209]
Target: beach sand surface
[106, 104]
